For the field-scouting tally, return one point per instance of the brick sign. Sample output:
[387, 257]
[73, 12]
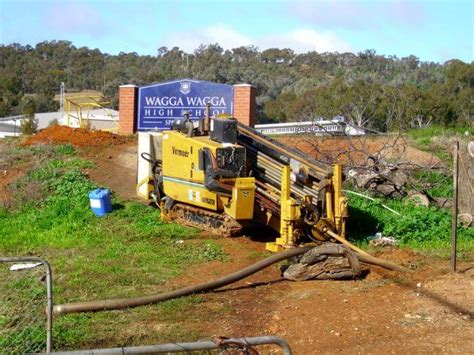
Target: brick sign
[160, 104]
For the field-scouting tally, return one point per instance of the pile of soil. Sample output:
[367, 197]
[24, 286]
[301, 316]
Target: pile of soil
[354, 151]
[76, 136]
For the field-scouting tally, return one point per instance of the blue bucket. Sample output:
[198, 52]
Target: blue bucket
[100, 202]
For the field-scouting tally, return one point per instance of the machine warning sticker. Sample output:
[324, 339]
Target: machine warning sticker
[194, 196]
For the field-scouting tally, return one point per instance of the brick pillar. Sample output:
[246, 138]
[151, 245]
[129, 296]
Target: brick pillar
[128, 108]
[244, 104]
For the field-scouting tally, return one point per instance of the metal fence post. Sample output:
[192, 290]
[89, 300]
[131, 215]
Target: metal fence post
[454, 229]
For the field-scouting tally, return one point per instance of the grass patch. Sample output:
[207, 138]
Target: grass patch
[434, 183]
[436, 130]
[126, 253]
[419, 228]
[435, 139]
[151, 324]
[22, 327]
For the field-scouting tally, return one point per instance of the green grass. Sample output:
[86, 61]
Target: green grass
[435, 139]
[165, 322]
[22, 327]
[129, 252]
[419, 228]
[435, 183]
[436, 131]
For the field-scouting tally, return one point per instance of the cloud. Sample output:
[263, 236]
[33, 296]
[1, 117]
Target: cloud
[300, 40]
[356, 15]
[226, 36]
[73, 17]
[307, 39]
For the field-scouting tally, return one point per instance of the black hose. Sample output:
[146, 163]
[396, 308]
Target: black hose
[102, 305]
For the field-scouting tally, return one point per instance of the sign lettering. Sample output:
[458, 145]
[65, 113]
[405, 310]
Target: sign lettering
[160, 104]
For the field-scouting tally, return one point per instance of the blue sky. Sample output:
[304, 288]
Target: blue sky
[432, 30]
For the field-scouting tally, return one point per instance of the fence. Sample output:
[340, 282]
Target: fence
[26, 310]
[25, 305]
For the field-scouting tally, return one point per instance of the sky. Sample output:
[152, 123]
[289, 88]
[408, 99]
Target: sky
[434, 31]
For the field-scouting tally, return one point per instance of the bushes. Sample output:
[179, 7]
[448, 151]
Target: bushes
[29, 126]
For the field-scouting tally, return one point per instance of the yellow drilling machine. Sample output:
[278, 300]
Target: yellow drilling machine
[221, 176]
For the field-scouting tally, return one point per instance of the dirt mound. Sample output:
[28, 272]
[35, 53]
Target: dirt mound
[76, 136]
[354, 151]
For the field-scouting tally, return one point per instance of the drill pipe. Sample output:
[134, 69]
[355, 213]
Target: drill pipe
[266, 173]
[270, 170]
[269, 143]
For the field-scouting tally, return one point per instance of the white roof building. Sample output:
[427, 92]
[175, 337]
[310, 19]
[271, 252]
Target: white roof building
[106, 119]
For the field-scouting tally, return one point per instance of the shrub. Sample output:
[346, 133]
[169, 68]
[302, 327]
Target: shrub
[29, 126]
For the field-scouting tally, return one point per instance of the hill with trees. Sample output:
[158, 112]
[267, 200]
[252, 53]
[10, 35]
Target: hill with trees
[377, 91]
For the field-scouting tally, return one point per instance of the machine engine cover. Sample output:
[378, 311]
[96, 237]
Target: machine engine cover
[224, 130]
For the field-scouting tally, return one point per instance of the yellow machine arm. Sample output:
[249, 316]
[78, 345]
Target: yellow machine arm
[306, 195]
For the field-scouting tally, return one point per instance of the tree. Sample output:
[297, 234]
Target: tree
[29, 124]
[369, 89]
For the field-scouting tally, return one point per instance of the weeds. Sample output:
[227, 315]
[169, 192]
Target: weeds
[420, 228]
[429, 132]
[435, 183]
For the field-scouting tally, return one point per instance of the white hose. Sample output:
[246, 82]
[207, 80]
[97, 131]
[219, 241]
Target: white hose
[372, 199]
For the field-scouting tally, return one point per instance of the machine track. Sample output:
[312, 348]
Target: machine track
[212, 222]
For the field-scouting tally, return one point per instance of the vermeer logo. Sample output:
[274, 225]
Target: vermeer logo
[185, 87]
[180, 152]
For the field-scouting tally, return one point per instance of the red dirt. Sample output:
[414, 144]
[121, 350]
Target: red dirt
[76, 136]
[116, 168]
[428, 311]
[354, 151]
[6, 178]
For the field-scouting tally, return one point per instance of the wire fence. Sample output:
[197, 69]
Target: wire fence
[25, 305]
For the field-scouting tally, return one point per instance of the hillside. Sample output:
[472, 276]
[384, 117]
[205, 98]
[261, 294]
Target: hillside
[373, 90]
